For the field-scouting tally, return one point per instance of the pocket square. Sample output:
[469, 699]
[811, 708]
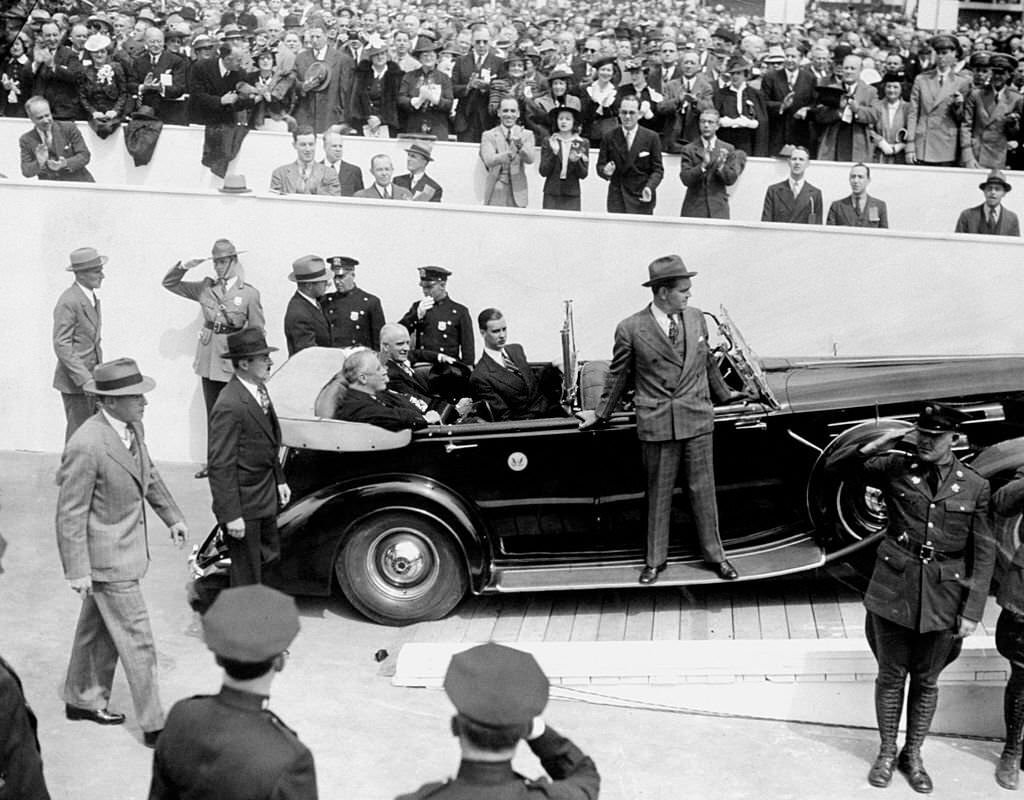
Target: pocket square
[643, 154]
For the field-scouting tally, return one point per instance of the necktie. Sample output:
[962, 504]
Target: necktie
[509, 364]
[133, 447]
[673, 329]
[261, 390]
[96, 304]
[406, 368]
[857, 205]
[933, 479]
[941, 81]
[992, 219]
[154, 60]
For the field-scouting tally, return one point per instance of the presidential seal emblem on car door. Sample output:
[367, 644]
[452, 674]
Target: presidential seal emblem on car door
[517, 461]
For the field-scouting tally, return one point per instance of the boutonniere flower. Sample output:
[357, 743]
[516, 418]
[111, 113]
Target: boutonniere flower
[105, 74]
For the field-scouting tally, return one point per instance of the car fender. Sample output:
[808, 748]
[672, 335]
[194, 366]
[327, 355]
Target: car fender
[1002, 457]
[353, 501]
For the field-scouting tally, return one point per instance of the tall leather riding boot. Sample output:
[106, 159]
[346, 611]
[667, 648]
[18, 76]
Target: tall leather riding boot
[1008, 770]
[920, 710]
[888, 707]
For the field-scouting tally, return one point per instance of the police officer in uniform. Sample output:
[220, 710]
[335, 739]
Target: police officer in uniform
[229, 746]
[228, 304]
[499, 694]
[354, 316]
[437, 323]
[1009, 501]
[930, 580]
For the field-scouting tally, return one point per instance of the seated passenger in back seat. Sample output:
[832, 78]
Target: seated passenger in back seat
[362, 396]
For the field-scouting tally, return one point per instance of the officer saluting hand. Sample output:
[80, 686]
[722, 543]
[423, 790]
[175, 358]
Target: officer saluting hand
[229, 745]
[499, 694]
[930, 580]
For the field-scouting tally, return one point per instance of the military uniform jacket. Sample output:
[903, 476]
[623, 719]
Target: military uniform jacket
[574, 776]
[355, 318]
[76, 340]
[228, 747]
[1009, 501]
[446, 328]
[21, 767]
[225, 309]
[928, 596]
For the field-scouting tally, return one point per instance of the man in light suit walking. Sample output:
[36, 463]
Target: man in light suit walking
[105, 475]
[663, 351]
[76, 336]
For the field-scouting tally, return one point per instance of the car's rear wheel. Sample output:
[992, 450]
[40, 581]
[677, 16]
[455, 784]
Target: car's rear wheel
[400, 567]
[859, 510]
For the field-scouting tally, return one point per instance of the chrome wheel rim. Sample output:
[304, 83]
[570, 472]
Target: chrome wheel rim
[861, 510]
[402, 564]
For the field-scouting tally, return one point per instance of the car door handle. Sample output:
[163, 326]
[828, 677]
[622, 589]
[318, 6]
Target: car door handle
[753, 425]
[448, 448]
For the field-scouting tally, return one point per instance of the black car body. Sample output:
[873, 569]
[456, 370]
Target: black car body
[406, 523]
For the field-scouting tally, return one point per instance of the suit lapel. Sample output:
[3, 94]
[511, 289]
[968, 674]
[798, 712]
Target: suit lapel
[651, 331]
[257, 413]
[119, 453]
[502, 375]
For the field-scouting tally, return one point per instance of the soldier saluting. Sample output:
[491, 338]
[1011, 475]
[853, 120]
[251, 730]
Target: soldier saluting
[930, 580]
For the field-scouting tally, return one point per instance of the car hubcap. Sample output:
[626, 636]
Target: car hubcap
[861, 508]
[402, 563]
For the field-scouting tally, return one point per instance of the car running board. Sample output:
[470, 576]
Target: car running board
[797, 554]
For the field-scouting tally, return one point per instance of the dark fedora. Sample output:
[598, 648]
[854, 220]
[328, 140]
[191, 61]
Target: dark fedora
[85, 258]
[145, 112]
[667, 268]
[247, 343]
[995, 176]
[118, 378]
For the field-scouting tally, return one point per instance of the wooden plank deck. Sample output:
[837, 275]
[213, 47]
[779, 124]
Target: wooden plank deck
[805, 607]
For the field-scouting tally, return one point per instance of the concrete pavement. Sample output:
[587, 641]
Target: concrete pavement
[373, 740]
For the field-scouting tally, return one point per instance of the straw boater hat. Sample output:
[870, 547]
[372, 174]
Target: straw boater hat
[85, 258]
[308, 269]
[118, 378]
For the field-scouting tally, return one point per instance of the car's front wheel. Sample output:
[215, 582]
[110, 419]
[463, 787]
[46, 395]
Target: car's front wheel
[399, 567]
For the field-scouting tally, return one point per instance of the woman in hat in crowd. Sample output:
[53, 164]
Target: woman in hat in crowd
[634, 82]
[564, 160]
[16, 77]
[374, 107]
[889, 131]
[601, 101]
[103, 92]
[425, 97]
[560, 84]
[228, 305]
[273, 94]
[744, 117]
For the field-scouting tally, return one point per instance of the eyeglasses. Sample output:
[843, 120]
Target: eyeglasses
[625, 113]
[589, 49]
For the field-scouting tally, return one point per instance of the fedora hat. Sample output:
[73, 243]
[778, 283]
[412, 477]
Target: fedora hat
[317, 76]
[424, 44]
[246, 343]
[118, 378]
[85, 258]
[422, 149]
[666, 268]
[308, 269]
[234, 184]
[145, 112]
[995, 176]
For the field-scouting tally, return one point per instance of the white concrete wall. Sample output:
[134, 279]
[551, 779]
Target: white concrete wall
[919, 198]
[793, 290]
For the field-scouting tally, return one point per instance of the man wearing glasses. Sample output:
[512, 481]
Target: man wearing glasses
[582, 68]
[630, 160]
[471, 84]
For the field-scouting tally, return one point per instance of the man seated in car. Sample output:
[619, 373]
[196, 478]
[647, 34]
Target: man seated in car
[395, 344]
[366, 397]
[503, 377]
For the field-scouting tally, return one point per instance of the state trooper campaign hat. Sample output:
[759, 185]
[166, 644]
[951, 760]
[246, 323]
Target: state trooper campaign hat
[666, 268]
[939, 418]
[250, 624]
[342, 263]
[496, 686]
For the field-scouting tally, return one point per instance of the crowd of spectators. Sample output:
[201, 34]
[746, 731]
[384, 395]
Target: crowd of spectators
[529, 84]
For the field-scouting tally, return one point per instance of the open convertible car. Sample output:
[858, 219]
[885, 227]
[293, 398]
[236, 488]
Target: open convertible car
[406, 523]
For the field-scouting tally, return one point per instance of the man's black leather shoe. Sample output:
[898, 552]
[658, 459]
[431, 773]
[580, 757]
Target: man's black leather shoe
[650, 574]
[726, 571]
[880, 774]
[913, 767]
[149, 737]
[98, 715]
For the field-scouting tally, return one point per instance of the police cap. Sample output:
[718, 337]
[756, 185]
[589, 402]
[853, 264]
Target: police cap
[939, 418]
[434, 273]
[251, 624]
[342, 262]
[496, 686]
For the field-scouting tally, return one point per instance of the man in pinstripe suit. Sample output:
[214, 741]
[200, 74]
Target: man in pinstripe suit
[105, 475]
[662, 350]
